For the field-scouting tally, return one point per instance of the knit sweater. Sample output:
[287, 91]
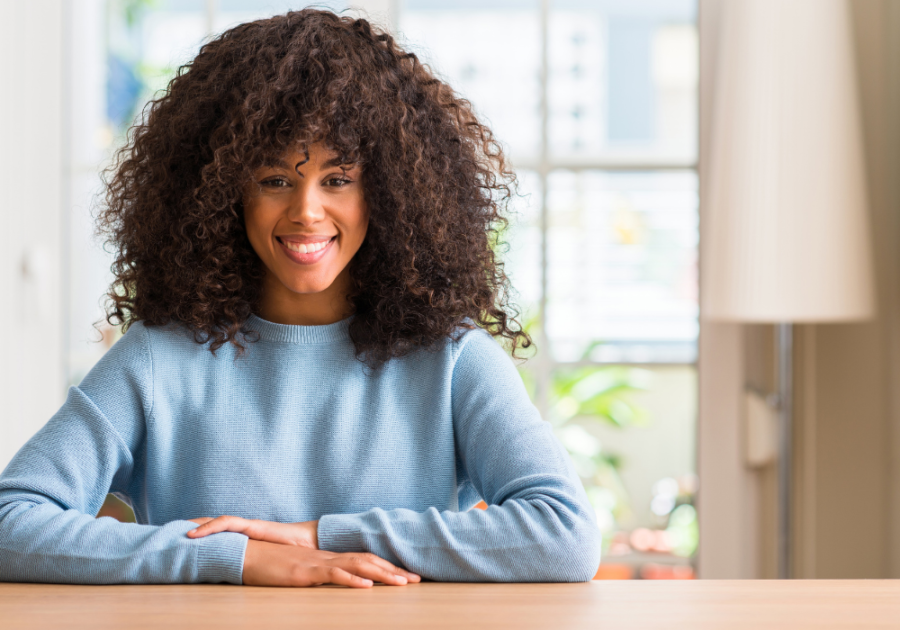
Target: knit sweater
[389, 460]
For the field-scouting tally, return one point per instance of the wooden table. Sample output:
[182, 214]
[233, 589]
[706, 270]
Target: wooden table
[607, 605]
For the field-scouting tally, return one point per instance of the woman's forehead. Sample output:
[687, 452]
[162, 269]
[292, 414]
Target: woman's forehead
[319, 153]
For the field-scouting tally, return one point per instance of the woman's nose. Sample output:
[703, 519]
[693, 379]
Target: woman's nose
[306, 206]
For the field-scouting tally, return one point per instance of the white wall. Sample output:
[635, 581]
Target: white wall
[87, 274]
[32, 179]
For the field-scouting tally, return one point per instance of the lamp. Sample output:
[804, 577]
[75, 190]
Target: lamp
[787, 233]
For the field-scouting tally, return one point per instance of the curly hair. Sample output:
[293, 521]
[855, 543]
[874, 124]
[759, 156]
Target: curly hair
[435, 181]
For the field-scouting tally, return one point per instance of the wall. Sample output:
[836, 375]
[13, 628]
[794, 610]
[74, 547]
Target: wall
[848, 500]
[31, 192]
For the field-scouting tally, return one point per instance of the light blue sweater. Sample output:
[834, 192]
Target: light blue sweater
[389, 461]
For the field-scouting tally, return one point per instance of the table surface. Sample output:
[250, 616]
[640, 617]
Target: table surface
[606, 605]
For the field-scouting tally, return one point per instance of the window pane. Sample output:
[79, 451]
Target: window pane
[523, 246]
[622, 266]
[489, 52]
[146, 46]
[623, 80]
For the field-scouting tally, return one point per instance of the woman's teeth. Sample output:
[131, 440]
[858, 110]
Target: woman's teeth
[307, 248]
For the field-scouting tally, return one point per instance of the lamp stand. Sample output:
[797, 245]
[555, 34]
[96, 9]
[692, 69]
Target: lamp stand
[785, 352]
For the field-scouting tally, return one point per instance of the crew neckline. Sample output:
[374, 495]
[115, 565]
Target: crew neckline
[288, 333]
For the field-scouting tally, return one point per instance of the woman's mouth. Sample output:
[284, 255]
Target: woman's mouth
[306, 253]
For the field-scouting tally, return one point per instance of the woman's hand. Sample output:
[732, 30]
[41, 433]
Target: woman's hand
[296, 534]
[288, 554]
[270, 564]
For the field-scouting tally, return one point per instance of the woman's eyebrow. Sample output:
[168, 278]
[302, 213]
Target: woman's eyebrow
[335, 161]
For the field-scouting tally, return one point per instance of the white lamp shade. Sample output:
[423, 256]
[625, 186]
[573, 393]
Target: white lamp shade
[786, 233]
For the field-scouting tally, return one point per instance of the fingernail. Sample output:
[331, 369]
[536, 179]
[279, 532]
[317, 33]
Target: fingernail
[367, 582]
[402, 579]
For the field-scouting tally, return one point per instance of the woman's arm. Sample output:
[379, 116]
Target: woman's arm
[539, 525]
[59, 479]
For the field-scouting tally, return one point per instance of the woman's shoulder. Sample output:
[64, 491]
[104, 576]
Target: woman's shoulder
[134, 350]
[168, 344]
[472, 344]
[152, 337]
[467, 346]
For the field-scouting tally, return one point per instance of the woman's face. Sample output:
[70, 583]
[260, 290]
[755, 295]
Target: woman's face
[306, 218]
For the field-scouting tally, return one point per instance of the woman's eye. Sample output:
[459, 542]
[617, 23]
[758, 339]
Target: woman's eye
[275, 182]
[338, 182]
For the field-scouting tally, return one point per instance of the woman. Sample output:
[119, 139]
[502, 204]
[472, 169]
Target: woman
[305, 226]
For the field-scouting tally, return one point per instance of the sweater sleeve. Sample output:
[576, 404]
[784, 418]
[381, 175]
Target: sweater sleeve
[60, 478]
[539, 525]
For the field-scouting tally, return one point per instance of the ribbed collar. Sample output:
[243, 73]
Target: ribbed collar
[328, 333]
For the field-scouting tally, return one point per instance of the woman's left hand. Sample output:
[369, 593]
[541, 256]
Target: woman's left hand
[298, 534]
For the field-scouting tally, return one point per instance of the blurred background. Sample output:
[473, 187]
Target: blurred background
[605, 108]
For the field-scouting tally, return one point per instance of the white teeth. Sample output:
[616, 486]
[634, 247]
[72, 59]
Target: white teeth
[309, 248]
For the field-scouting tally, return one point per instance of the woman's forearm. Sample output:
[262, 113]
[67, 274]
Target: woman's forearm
[41, 542]
[541, 536]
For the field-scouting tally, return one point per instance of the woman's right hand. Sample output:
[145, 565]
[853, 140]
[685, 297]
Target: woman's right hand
[272, 564]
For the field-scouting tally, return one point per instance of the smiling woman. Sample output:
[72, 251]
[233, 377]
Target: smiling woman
[306, 222]
[305, 228]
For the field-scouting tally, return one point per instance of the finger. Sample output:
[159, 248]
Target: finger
[358, 564]
[256, 529]
[220, 524]
[387, 566]
[413, 578]
[358, 559]
[201, 520]
[336, 575]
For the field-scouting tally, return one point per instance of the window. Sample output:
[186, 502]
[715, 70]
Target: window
[595, 102]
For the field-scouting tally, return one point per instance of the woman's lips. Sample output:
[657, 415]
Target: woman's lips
[308, 258]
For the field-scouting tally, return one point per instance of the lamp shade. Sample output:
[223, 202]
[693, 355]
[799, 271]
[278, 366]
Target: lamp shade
[786, 233]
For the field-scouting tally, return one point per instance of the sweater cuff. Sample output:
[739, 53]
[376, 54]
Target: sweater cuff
[220, 558]
[340, 533]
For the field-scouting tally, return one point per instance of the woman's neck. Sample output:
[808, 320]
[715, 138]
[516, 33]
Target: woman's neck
[280, 305]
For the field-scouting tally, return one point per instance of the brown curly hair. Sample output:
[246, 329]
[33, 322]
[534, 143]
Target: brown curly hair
[435, 181]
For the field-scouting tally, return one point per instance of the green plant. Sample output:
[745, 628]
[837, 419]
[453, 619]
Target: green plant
[601, 394]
